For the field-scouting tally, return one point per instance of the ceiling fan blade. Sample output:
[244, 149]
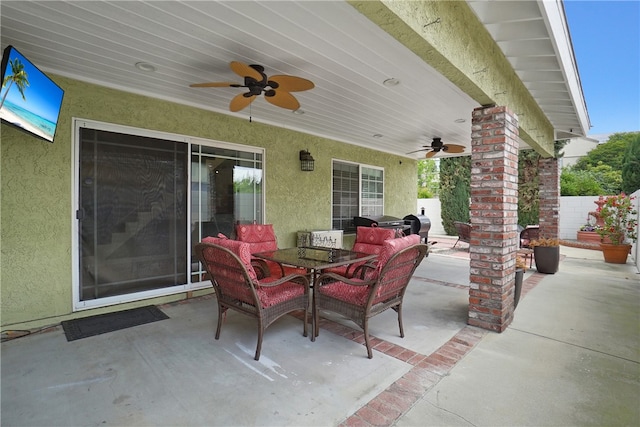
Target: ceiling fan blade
[243, 70]
[283, 99]
[240, 101]
[216, 84]
[430, 154]
[454, 148]
[292, 83]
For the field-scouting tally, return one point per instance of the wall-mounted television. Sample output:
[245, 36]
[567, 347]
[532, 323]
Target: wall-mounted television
[29, 99]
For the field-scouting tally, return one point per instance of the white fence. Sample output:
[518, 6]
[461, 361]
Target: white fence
[574, 211]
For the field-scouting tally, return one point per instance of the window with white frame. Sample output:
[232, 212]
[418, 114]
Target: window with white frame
[357, 190]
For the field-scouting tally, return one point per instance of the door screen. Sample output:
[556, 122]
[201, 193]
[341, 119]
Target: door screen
[132, 213]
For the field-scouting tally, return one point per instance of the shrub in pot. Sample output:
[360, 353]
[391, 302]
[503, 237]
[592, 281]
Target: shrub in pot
[546, 252]
[618, 215]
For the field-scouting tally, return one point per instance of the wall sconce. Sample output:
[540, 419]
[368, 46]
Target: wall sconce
[306, 161]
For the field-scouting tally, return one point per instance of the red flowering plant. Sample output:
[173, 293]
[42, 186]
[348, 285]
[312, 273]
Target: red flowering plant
[619, 216]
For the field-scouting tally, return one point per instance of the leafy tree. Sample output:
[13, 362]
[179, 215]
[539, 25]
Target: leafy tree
[428, 182]
[529, 183]
[579, 183]
[247, 185]
[609, 153]
[631, 166]
[455, 190]
[424, 193]
[609, 179]
[528, 187]
[18, 77]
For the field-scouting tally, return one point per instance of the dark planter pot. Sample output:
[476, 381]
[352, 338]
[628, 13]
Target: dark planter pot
[518, 286]
[547, 258]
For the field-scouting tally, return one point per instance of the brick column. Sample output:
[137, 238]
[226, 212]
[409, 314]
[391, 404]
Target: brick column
[549, 189]
[494, 217]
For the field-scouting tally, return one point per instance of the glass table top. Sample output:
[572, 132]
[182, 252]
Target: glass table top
[314, 257]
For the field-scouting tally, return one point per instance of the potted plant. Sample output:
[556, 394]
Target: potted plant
[618, 215]
[546, 252]
[589, 233]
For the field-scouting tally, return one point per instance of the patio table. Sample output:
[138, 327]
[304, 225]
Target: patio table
[314, 259]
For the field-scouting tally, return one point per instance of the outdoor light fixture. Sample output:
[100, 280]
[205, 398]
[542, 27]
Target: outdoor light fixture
[306, 161]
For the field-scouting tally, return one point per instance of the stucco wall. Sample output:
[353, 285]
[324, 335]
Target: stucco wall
[36, 211]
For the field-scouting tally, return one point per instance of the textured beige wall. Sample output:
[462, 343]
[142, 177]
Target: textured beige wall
[36, 198]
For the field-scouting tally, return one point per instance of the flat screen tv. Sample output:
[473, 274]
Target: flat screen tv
[29, 99]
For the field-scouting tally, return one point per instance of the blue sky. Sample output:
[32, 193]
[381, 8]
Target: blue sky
[606, 42]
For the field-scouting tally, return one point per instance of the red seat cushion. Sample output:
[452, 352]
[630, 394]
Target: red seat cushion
[274, 295]
[356, 295]
[240, 249]
[373, 235]
[261, 237]
[369, 240]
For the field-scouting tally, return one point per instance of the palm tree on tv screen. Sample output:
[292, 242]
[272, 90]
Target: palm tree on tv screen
[18, 76]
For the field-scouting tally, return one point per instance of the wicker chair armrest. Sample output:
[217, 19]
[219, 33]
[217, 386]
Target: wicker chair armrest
[261, 268]
[328, 278]
[296, 278]
[361, 270]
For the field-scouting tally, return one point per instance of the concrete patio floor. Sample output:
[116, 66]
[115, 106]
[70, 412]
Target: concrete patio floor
[570, 357]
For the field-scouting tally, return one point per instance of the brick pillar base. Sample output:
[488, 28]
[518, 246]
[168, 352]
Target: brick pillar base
[549, 189]
[494, 217]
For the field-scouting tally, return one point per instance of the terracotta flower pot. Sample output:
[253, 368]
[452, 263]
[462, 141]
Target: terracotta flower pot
[615, 254]
[591, 237]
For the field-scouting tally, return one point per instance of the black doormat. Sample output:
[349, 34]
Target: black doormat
[95, 325]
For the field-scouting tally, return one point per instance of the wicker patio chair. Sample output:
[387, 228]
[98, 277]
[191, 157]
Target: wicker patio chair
[464, 232]
[382, 288]
[529, 233]
[369, 240]
[228, 264]
[262, 238]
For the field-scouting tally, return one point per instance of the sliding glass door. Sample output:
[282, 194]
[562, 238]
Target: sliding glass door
[144, 200]
[132, 213]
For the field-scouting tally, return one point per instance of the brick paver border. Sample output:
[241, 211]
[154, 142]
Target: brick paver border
[427, 370]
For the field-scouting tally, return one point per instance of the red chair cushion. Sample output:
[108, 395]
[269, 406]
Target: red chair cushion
[261, 237]
[393, 246]
[369, 240]
[274, 295]
[373, 235]
[240, 249]
[356, 295]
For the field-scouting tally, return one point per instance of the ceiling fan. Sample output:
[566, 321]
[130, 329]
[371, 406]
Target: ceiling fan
[275, 88]
[437, 146]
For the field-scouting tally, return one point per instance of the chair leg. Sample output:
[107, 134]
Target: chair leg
[259, 346]
[398, 309]
[454, 245]
[315, 320]
[366, 338]
[304, 322]
[221, 313]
